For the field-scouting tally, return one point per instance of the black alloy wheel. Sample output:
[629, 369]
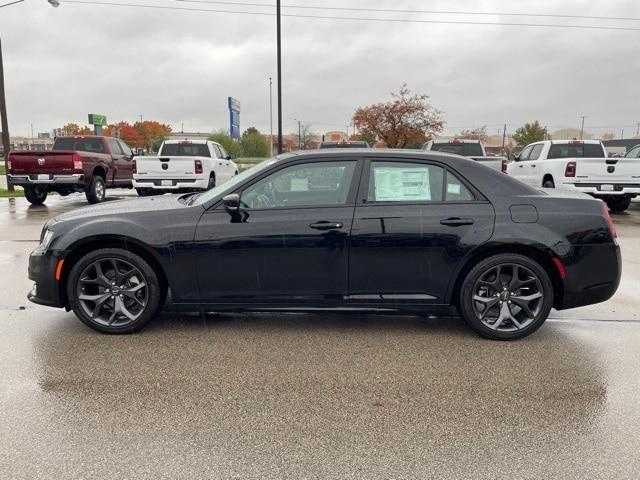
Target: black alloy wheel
[113, 291]
[506, 296]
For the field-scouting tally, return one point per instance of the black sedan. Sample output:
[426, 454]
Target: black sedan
[350, 230]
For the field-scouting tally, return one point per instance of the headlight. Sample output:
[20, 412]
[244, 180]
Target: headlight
[47, 237]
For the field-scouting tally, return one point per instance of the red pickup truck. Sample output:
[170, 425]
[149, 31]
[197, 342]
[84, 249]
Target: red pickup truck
[87, 164]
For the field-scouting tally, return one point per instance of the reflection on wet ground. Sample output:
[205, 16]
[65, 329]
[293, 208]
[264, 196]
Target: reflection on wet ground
[313, 396]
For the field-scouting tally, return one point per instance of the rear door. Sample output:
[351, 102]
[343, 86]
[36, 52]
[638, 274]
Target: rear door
[117, 155]
[414, 223]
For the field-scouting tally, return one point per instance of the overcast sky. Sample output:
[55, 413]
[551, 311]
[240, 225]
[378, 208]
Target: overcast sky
[180, 67]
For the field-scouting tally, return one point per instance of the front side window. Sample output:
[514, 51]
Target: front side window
[405, 182]
[125, 149]
[307, 184]
[524, 155]
[633, 153]
[114, 146]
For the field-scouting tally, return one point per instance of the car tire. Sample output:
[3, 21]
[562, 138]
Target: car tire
[619, 204]
[548, 184]
[95, 192]
[114, 303]
[506, 297]
[144, 192]
[35, 194]
[212, 182]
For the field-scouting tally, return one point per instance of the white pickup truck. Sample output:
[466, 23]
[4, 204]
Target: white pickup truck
[473, 149]
[579, 165]
[183, 166]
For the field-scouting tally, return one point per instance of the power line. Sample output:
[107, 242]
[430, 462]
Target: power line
[368, 19]
[395, 10]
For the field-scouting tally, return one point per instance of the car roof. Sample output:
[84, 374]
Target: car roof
[187, 140]
[384, 153]
[455, 140]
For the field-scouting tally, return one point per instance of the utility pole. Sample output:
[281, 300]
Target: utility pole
[504, 136]
[299, 134]
[140, 118]
[270, 117]
[622, 134]
[582, 128]
[638, 130]
[279, 60]
[5, 122]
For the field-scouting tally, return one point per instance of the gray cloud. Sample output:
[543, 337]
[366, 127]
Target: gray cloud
[61, 64]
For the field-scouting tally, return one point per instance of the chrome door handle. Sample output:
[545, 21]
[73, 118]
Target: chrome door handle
[326, 225]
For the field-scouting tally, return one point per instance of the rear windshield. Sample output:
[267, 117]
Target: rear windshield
[576, 150]
[344, 145]
[185, 150]
[464, 149]
[93, 145]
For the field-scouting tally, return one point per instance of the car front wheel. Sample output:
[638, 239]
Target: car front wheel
[506, 296]
[114, 291]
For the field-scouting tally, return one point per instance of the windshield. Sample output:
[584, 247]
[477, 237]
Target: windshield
[235, 181]
[464, 149]
[185, 150]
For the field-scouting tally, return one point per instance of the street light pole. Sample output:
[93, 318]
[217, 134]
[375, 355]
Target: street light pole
[279, 61]
[582, 128]
[270, 117]
[5, 123]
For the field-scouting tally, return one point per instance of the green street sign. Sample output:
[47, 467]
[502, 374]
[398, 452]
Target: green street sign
[95, 119]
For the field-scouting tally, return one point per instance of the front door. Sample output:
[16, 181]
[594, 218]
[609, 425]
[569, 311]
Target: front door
[289, 242]
[414, 224]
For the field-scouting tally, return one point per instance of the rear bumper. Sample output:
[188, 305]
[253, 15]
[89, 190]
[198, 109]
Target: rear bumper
[593, 275]
[598, 189]
[46, 289]
[198, 182]
[35, 179]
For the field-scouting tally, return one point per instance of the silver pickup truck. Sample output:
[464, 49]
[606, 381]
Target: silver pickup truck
[473, 149]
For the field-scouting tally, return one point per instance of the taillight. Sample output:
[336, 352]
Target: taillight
[198, 166]
[77, 162]
[504, 165]
[570, 170]
[607, 218]
[134, 166]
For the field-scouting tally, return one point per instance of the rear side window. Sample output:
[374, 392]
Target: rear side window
[464, 149]
[535, 152]
[455, 190]
[576, 150]
[114, 146]
[185, 150]
[91, 145]
[405, 182]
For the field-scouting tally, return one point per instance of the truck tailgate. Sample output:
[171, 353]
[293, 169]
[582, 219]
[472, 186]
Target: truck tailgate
[606, 170]
[42, 162]
[168, 167]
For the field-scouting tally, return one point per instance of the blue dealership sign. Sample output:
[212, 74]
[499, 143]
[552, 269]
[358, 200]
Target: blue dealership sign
[234, 118]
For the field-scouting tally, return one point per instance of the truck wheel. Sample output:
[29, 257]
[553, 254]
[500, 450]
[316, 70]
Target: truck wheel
[548, 184]
[618, 204]
[95, 191]
[36, 194]
[212, 182]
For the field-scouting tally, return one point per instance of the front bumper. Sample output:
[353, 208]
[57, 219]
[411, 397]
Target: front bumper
[171, 184]
[22, 180]
[605, 189]
[46, 290]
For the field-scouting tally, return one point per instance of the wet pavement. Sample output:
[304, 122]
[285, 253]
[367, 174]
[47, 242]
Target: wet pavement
[313, 396]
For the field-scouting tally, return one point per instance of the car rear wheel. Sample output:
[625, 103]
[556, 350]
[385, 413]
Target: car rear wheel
[96, 191]
[548, 184]
[114, 291]
[212, 182]
[36, 194]
[506, 296]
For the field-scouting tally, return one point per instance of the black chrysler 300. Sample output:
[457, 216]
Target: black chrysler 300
[357, 230]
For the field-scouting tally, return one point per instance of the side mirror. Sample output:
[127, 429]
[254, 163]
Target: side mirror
[231, 202]
[230, 157]
[516, 157]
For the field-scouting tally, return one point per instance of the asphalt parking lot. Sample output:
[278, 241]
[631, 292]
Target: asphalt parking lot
[313, 396]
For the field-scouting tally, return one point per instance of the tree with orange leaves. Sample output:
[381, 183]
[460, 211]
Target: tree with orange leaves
[75, 129]
[153, 133]
[407, 121]
[127, 132]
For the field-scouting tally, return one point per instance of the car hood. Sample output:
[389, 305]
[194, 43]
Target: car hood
[117, 207]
